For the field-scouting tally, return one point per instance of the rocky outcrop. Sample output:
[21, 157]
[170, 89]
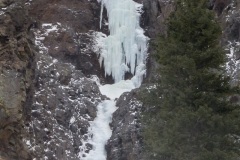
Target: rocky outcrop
[65, 93]
[230, 22]
[155, 13]
[126, 141]
[219, 5]
[64, 103]
[17, 69]
[77, 20]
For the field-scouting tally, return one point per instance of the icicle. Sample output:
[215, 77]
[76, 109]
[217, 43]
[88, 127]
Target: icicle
[101, 14]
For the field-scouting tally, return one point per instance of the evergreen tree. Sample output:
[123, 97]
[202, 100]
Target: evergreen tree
[194, 118]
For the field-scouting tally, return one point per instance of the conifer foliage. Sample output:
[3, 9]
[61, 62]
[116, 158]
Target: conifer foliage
[193, 118]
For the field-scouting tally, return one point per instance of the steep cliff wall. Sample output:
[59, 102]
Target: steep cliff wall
[17, 69]
[65, 96]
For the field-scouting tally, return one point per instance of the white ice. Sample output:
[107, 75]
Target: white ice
[101, 130]
[125, 49]
[115, 90]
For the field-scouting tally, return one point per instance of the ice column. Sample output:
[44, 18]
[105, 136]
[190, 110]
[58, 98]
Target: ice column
[125, 49]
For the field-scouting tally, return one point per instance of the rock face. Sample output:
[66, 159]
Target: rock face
[65, 97]
[154, 15]
[126, 141]
[76, 21]
[219, 5]
[16, 68]
[230, 21]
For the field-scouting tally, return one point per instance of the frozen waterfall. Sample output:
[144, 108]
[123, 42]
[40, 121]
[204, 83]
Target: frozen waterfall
[125, 49]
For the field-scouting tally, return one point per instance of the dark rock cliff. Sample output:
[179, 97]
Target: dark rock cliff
[65, 96]
[126, 141]
[17, 70]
